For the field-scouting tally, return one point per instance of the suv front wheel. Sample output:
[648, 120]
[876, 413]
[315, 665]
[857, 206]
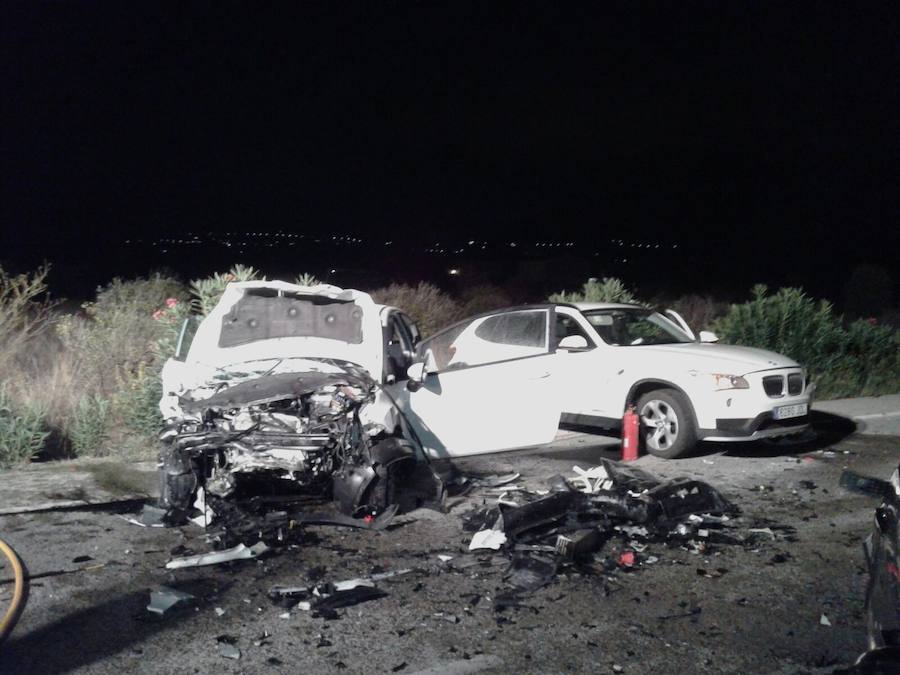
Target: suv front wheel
[668, 429]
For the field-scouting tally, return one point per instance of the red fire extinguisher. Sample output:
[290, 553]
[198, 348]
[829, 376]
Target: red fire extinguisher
[630, 427]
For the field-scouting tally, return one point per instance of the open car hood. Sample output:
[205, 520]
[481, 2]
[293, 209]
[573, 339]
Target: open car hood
[273, 319]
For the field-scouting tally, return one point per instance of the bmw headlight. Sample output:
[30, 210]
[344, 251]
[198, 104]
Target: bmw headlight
[724, 381]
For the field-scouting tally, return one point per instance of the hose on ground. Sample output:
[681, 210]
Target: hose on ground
[9, 619]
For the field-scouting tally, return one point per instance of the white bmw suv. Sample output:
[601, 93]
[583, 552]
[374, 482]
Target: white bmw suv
[685, 389]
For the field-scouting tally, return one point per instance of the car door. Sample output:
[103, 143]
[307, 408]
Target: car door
[490, 385]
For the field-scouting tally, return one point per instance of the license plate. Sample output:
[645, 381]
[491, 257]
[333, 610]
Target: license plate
[788, 411]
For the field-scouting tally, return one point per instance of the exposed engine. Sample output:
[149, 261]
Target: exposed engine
[276, 434]
[300, 440]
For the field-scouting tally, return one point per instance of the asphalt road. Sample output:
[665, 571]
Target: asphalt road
[732, 608]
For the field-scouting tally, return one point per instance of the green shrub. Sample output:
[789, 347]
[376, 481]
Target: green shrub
[609, 289]
[118, 332]
[307, 279]
[136, 403]
[427, 305]
[208, 291]
[859, 359]
[22, 430]
[88, 426]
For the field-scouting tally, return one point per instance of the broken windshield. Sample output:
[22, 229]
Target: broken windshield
[634, 327]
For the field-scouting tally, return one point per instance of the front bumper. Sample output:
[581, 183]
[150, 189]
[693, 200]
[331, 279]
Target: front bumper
[754, 428]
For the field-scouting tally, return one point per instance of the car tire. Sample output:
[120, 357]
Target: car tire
[667, 426]
[383, 490]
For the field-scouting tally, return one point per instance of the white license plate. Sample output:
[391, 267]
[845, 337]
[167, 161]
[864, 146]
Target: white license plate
[788, 411]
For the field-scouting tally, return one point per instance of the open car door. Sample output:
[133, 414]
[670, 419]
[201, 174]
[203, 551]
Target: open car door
[489, 385]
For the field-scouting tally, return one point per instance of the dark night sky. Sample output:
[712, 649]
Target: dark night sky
[742, 129]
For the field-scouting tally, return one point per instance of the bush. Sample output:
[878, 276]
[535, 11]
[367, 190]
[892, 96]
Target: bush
[207, 292]
[22, 430]
[484, 298]
[699, 311]
[427, 305]
[136, 403]
[118, 332]
[24, 313]
[88, 426]
[306, 279]
[860, 359]
[609, 289]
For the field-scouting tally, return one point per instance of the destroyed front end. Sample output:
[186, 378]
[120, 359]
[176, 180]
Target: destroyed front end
[273, 400]
[275, 434]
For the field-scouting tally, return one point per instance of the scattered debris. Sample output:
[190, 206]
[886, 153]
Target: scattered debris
[165, 598]
[571, 521]
[492, 539]
[239, 552]
[823, 620]
[151, 516]
[225, 646]
[873, 487]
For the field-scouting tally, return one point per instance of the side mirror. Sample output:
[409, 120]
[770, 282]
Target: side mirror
[417, 372]
[573, 342]
[708, 336]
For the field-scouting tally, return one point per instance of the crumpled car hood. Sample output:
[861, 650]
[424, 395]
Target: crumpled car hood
[267, 388]
[192, 388]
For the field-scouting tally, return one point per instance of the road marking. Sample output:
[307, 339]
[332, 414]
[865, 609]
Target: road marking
[876, 415]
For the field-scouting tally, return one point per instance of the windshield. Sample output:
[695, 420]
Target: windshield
[634, 327]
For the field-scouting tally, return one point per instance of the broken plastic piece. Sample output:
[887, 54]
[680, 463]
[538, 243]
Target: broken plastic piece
[239, 552]
[874, 487]
[539, 512]
[492, 539]
[594, 479]
[579, 543]
[165, 598]
[353, 596]
[226, 648]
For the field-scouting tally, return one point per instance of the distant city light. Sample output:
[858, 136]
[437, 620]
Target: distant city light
[453, 272]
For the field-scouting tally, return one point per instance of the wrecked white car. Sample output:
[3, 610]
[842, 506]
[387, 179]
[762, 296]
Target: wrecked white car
[288, 392]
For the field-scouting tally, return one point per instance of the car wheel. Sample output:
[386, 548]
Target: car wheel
[383, 490]
[667, 423]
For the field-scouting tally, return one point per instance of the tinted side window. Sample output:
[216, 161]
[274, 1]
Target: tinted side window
[501, 337]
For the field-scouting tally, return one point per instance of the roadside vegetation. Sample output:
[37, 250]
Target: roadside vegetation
[87, 383]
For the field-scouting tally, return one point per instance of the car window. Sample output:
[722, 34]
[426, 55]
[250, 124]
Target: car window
[186, 337]
[567, 326]
[483, 340]
[411, 328]
[635, 327]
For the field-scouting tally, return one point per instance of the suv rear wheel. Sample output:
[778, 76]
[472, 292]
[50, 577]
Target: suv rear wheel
[668, 429]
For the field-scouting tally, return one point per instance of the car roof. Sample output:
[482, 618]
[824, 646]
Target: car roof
[585, 306]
